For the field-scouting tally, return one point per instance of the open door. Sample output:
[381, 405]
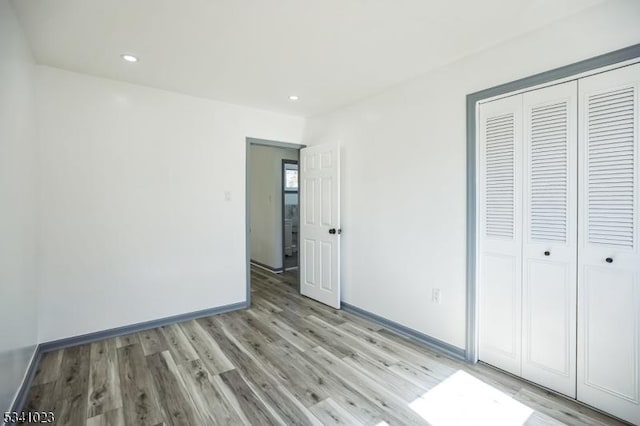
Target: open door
[320, 223]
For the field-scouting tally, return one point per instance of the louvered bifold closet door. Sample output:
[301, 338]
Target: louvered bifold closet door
[500, 227]
[608, 246]
[550, 237]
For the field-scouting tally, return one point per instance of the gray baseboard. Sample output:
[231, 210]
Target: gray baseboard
[267, 267]
[54, 345]
[425, 339]
[133, 328]
[23, 392]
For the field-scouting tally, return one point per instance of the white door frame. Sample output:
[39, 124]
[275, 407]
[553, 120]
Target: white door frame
[615, 59]
[249, 143]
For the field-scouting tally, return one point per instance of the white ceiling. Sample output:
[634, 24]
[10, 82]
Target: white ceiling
[258, 52]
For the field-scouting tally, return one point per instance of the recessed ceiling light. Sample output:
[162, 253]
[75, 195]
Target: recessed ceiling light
[293, 98]
[129, 58]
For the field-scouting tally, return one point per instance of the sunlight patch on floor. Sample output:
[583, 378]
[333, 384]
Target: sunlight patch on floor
[461, 399]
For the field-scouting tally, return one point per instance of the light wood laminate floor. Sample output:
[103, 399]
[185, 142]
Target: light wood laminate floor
[287, 360]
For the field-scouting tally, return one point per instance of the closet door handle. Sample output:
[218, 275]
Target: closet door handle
[547, 253]
[609, 260]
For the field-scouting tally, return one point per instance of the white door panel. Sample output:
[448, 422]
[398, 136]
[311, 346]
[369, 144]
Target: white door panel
[500, 254]
[550, 237]
[609, 253]
[500, 326]
[320, 216]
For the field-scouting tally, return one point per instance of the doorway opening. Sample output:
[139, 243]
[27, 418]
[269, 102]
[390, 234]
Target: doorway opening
[290, 216]
[273, 213]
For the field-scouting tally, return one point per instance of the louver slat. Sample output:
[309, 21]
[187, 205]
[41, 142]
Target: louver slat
[610, 167]
[500, 170]
[548, 173]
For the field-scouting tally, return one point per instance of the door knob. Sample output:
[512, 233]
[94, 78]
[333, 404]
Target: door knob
[609, 260]
[332, 230]
[547, 253]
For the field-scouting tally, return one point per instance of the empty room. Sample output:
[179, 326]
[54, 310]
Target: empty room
[337, 212]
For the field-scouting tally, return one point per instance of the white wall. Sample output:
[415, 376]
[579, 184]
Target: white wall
[17, 207]
[266, 203]
[134, 224]
[404, 170]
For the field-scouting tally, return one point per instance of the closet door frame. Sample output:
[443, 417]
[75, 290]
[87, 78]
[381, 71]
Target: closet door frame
[608, 61]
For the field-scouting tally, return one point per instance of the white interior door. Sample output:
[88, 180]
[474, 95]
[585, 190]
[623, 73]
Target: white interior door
[608, 246]
[500, 238]
[320, 223]
[550, 237]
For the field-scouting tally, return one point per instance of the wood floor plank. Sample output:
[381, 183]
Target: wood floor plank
[395, 410]
[397, 384]
[275, 396]
[298, 306]
[280, 358]
[248, 352]
[348, 317]
[506, 383]
[294, 372]
[248, 322]
[153, 341]
[234, 351]
[140, 401]
[317, 334]
[539, 419]
[71, 411]
[175, 402]
[552, 406]
[49, 368]
[406, 353]
[258, 274]
[269, 279]
[366, 346]
[208, 350]
[415, 347]
[423, 378]
[104, 379]
[278, 398]
[74, 373]
[228, 395]
[127, 339]
[348, 397]
[312, 383]
[209, 400]
[309, 418]
[108, 418]
[179, 346]
[330, 413]
[264, 328]
[41, 397]
[301, 306]
[267, 306]
[327, 313]
[252, 407]
[284, 331]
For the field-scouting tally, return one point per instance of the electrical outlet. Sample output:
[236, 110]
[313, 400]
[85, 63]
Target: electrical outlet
[435, 296]
[227, 195]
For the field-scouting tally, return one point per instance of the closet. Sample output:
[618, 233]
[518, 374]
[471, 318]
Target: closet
[558, 249]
